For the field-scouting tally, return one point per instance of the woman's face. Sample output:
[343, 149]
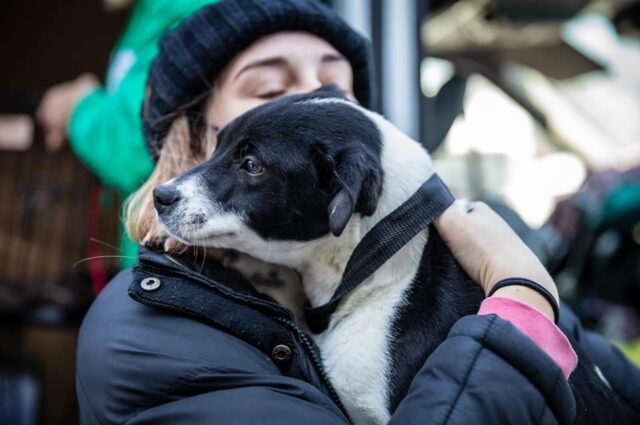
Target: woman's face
[276, 65]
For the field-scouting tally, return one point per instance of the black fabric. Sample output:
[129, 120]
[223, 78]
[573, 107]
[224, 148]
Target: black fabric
[185, 354]
[385, 239]
[622, 375]
[479, 346]
[191, 56]
[531, 285]
[266, 324]
[440, 294]
[194, 352]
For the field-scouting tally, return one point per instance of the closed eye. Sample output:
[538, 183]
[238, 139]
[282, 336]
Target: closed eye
[271, 94]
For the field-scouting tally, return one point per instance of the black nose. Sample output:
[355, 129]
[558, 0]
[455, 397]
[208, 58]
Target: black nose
[164, 197]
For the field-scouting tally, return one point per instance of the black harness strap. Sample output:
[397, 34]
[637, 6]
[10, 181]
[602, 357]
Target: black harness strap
[385, 239]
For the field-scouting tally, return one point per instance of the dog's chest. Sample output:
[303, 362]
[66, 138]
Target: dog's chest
[356, 351]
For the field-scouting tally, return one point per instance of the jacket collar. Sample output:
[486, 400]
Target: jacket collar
[218, 280]
[215, 295]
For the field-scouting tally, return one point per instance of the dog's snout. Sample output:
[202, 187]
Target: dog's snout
[165, 196]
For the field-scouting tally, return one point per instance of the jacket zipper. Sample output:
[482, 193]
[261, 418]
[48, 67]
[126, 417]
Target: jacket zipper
[316, 362]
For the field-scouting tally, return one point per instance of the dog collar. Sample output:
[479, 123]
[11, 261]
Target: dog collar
[381, 242]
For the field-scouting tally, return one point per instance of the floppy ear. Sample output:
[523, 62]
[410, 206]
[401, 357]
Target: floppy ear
[355, 179]
[326, 167]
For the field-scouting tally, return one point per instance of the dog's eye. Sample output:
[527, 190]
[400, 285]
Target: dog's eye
[251, 166]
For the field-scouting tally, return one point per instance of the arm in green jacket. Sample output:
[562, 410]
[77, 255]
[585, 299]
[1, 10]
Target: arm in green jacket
[105, 132]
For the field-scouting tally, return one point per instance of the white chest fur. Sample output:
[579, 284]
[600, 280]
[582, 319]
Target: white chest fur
[356, 346]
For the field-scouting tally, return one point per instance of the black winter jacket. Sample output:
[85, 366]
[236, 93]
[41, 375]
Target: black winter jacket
[196, 346]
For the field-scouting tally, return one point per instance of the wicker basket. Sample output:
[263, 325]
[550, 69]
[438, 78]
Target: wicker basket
[45, 216]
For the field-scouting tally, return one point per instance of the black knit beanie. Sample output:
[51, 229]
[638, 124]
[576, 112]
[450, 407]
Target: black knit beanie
[192, 55]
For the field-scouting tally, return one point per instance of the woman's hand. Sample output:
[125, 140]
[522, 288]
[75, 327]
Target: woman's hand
[489, 251]
[57, 105]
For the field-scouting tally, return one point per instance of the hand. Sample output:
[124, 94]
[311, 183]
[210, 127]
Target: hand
[56, 106]
[489, 251]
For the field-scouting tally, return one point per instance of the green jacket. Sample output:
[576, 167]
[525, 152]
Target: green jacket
[105, 128]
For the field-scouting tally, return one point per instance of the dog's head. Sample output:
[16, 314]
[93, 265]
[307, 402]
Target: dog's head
[295, 169]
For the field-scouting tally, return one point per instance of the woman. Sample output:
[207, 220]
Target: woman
[193, 342]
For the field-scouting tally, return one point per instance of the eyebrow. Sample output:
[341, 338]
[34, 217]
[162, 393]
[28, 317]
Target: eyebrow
[280, 61]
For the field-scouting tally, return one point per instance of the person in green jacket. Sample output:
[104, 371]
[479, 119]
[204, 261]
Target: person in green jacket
[102, 123]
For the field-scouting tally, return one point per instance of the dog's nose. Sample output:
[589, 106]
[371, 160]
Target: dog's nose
[164, 197]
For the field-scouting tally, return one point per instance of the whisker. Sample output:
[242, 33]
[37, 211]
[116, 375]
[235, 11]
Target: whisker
[204, 257]
[105, 244]
[101, 256]
[201, 244]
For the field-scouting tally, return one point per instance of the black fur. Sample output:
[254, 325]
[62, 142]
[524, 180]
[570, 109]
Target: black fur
[440, 294]
[294, 197]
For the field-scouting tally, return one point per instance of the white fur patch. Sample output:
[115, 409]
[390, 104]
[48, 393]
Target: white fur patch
[198, 217]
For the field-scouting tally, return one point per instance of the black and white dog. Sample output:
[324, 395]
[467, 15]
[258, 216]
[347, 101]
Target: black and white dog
[299, 182]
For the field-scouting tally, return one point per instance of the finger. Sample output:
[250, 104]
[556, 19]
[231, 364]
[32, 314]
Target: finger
[462, 204]
[43, 113]
[40, 113]
[456, 228]
[88, 77]
[54, 140]
[478, 207]
[454, 214]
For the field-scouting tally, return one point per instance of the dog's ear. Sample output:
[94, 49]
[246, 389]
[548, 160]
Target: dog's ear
[326, 168]
[355, 180]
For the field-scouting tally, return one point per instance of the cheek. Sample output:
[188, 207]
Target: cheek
[241, 105]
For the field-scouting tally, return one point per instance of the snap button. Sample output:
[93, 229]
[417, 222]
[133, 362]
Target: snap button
[150, 283]
[281, 353]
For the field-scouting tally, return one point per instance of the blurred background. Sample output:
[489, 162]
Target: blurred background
[530, 105]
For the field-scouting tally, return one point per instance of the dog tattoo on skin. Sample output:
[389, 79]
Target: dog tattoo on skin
[298, 182]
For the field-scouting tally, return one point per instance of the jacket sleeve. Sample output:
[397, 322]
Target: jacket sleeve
[487, 372]
[105, 132]
[622, 375]
[257, 400]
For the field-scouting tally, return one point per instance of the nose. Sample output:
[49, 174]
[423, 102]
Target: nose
[306, 88]
[308, 81]
[164, 197]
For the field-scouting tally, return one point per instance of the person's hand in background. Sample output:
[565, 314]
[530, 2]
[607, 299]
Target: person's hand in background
[490, 251]
[57, 105]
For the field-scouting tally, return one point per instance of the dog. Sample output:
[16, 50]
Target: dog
[298, 182]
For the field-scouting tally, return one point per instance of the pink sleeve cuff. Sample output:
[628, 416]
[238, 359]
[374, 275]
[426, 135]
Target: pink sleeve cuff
[537, 326]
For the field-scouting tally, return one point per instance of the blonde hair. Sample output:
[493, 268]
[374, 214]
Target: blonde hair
[181, 151]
